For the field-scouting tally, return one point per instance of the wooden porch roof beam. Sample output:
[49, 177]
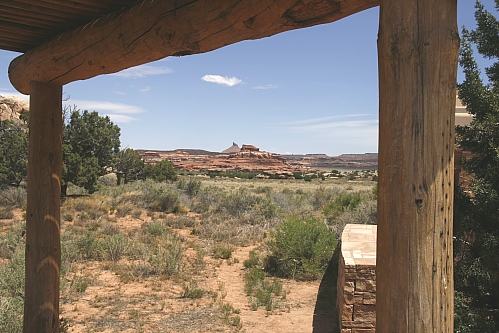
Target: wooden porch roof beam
[155, 29]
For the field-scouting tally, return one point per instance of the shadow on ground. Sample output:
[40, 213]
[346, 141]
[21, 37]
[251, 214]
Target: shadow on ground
[325, 313]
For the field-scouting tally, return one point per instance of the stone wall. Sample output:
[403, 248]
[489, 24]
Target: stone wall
[357, 279]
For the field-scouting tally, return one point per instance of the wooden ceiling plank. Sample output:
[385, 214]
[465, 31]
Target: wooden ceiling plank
[49, 9]
[23, 29]
[28, 4]
[13, 46]
[153, 30]
[33, 19]
[94, 6]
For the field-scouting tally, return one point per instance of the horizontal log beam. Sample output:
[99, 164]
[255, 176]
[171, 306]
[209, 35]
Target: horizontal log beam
[156, 29]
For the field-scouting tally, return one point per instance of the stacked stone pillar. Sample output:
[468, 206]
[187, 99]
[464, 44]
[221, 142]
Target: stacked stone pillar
[357, 279]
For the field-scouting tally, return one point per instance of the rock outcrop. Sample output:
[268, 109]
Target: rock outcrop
[12, 107]
[248, 158]
[232, 149]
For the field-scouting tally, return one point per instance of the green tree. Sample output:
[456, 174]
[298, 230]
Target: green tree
[476, 215]
[90, 146]
[129, 165]
[161, 171]
[13, 153]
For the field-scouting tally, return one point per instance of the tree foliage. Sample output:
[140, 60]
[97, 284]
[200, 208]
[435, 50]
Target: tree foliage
[13, 153]
[161, 171]
[90, 145]
[129, 165]
[476, 216]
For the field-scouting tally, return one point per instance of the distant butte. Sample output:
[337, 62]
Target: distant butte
[250, 158]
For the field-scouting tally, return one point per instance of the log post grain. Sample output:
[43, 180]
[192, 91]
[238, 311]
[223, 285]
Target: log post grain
[155, 29]
[418, 46]
[43, 245]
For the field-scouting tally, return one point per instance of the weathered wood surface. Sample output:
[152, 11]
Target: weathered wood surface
[418, 46]
[156, 29]
[43, 244]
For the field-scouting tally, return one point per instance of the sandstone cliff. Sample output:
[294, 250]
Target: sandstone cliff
[12, 107]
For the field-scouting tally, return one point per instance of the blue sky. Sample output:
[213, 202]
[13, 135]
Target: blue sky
[312, 90]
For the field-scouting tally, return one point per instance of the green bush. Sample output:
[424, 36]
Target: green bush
[113, 247]
[6, 213]
[88, 246]
[238, 202]
[13, 196]
[12, 291]
[253, 260]
[342, 203]
[193, 186]
[156, 228]
[261, 292]
[222, 251]
[166, 257]
[300, 248]
[191, 290]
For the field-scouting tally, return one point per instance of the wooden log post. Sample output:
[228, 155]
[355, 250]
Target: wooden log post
[43, 244]
[418, 45]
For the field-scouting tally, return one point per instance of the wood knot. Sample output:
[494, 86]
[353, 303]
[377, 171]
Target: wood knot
[249, 22]
[419, 204]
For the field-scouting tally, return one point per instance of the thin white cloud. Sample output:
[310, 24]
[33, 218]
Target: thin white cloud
[322, 119]
[143, 71]
[120, 118]
[105, 106]
[6, 93]
[223, 80]
[120, 93]
[336, 124]
[265, 87]
[353, 130]
[145, 89]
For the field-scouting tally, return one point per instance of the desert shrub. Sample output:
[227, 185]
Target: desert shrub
[114, 247]
[136, 213]
[11, 314]
[237, 202]
[166, 256]
[12, 273]
[260, 290]
[300, 248]
[253, 260]
[147, 194]
[109, 229]
[222, 251]
[321, 196]
[180, 222]
[93, 207]
[192, 187]
[10, 241]
[191, 290]
[236, 231]
[292, 202]
[12, 291]
[163, 200]
[155, 228]
[263, 190]
[124, 210]
[342, 203]
[88, 246]
[13, 196]
[80, 283]
[266, 208]
[208, 198]
[365, 213]
[6, 213]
